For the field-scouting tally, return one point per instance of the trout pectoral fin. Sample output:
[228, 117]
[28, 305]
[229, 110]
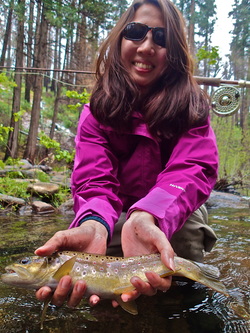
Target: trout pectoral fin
[45, 307]
[130, 306]
[65, 269]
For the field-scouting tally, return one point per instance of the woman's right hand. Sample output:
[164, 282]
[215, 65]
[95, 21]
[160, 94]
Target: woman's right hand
[90, 237]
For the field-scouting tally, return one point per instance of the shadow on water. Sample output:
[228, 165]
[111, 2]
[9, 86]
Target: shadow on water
[186, 308]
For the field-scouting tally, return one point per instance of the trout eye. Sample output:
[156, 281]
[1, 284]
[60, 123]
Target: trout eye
[25, 261]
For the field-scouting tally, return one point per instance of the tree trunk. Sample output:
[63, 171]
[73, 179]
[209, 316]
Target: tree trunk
[7, 35]
[12, 145]
[28, 78]
[30, 151]
[191, 28]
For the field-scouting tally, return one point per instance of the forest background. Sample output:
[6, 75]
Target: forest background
[48, 50]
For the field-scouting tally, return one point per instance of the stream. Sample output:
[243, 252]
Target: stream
[185, 308]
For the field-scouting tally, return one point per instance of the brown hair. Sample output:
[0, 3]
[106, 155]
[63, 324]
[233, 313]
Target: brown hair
[175, 102]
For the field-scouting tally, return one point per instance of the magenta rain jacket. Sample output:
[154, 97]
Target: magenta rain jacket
[116, 172]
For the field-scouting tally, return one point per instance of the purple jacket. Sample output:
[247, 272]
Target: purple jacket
[133, 171]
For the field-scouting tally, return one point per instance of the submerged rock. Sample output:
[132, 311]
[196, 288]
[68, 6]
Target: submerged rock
[41, 207]
[227, 200]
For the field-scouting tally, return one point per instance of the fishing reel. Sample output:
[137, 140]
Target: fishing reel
[226, 101]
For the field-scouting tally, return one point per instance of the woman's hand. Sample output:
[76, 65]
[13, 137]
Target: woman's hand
[140, 235]
[90, 237]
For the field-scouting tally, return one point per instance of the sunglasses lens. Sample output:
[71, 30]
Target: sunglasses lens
[135, 31]
[159, 36]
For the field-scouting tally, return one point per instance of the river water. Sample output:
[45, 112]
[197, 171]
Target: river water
[185, 308]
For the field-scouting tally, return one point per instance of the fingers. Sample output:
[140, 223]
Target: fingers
[93, 300]
[62, 291]
[157, 282]
[43, 293]
[52, 245]
[77, 294]
[143, 287]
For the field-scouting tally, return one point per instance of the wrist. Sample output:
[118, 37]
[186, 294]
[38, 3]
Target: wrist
[142, 215]
[97, 219]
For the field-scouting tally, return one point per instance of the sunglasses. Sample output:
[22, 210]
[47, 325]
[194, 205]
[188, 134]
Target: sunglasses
[137, 31]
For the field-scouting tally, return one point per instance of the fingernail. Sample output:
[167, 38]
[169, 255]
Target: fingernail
[171, 264]
[65, 284]
[125, 298]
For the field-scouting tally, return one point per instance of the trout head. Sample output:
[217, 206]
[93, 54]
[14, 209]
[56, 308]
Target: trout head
[33, 272]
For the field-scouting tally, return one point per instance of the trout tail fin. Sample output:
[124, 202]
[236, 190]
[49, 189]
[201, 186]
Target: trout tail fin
[209, 276]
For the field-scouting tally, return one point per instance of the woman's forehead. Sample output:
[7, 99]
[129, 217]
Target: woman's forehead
[150, 15]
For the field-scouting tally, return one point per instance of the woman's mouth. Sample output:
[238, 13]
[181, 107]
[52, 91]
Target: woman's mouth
[141, 65]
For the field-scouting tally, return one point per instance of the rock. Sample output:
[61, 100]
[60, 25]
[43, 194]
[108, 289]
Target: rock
[25, 164]
[41, 207]
[67, 208]
[43, 189]
[11, 200]
[227, 200]
[33, 173]
[26, 210]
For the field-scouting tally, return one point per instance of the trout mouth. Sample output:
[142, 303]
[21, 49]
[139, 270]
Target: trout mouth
[16, 275]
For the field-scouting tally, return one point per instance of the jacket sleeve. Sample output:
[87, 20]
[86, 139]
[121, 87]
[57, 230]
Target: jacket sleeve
[94, 182]
[186, 182]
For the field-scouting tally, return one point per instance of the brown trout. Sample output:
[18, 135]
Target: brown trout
[107, 277]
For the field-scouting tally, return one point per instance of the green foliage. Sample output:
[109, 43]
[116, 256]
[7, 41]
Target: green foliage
[5, 82]
[234, 150]
[59, 154]
[4, 132]
[10, 186]
[6, 92]
[212, 56]
[18, 115]
[83, 98]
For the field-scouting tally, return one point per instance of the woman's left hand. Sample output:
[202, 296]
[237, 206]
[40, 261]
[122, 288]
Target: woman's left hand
[140, 235]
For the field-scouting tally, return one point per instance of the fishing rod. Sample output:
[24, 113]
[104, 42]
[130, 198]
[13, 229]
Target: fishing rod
[225, 100]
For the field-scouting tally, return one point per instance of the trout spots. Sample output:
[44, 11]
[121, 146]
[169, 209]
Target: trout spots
[84, 273]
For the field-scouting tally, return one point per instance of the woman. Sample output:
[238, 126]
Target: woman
[146, 157]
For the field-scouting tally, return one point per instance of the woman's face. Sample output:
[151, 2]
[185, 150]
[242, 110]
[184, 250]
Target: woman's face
[144, 60]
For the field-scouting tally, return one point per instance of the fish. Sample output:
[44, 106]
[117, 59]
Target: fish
[105, 276]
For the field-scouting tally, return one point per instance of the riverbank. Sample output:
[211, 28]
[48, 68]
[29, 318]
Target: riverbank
[29, 189]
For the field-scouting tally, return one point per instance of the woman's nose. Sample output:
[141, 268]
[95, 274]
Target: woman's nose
[147, 45]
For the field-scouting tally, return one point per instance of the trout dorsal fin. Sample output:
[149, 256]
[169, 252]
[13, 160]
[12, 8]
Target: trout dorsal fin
[65, 269]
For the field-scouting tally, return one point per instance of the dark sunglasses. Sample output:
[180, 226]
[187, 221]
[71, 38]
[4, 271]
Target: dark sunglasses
[138, 31]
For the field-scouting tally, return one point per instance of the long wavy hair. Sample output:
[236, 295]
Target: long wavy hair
[175, 102]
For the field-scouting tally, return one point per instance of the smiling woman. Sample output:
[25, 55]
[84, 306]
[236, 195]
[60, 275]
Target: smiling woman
[146, 157]
[144, 59]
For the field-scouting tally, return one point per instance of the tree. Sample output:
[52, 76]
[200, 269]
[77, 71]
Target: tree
[7, 33]
[30, 151]
[12, 146]
[240, 52]
[205, 19]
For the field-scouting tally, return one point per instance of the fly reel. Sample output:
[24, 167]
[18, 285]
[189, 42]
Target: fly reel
[226, 101]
